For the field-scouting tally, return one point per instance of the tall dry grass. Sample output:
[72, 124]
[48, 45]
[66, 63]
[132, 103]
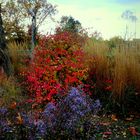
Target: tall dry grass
[18, 53]
[126, 70]
[10, 90]
[119, 74]
[101, 63]
[121, 64]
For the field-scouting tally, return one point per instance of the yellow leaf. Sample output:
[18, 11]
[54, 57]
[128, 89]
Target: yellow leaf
[19, 119]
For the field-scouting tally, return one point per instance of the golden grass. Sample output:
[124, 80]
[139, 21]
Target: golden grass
[18, 53]
[9, 91]
[121, 64]
[101, 63]
[126, 70]
[120, 74]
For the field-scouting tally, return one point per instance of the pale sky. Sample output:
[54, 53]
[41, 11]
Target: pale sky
[103, 16]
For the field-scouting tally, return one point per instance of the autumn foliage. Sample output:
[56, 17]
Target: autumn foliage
[57, 65]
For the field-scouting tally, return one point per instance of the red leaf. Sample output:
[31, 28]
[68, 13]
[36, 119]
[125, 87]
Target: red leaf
[107, 133]
[133, 131]
[113, 117]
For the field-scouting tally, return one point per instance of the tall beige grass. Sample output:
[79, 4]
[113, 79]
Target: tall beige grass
[9, 89]
[18, 53]
[102, 64]
[126, 70]
[120, 74]
[121, 64]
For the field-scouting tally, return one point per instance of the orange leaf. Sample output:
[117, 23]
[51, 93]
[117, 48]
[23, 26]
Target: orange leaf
[13, 105]
[113, 117]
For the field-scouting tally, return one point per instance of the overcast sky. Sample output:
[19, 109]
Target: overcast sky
[103, 16]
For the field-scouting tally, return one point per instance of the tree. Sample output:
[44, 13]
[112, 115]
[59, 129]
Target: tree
[13, 20]
[5, 63]
[37, 11]
[69, 24]
[129, 15]
[2, 34]
[116, 41]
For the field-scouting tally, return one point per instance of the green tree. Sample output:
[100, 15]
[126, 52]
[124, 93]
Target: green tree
[115, 42]
[69, 24]
[13, 20]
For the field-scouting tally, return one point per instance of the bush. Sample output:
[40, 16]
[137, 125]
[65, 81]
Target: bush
[57, 64]
[69, 115]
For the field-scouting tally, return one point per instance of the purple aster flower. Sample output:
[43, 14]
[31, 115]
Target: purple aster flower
[3, 111]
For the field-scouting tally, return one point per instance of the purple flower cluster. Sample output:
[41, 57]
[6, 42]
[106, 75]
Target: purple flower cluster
[49, 115]
[3, 111]
[4, 123]
[67, 114]
[62, 118]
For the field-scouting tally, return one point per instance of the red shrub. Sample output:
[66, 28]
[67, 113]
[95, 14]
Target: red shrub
[57, 65]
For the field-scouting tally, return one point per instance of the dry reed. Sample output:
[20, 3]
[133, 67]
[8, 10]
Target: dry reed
[121, 64]
[18, 53]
